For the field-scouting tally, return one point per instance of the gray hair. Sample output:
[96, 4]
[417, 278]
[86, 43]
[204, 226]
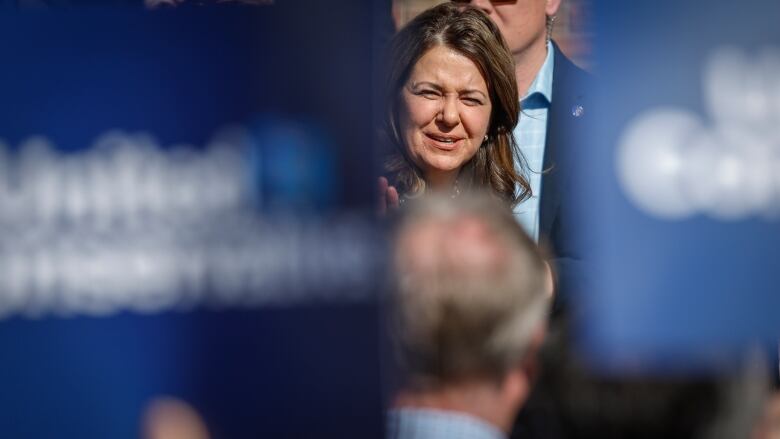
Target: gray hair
[470, 293]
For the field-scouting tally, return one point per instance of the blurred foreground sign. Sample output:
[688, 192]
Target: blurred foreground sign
[680, 184]
[185, 211]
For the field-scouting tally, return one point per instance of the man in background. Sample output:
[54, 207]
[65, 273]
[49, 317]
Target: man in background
[550, 126]
[466, 319]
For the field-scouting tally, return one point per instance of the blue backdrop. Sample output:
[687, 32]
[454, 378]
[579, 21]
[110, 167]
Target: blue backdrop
[690, 287]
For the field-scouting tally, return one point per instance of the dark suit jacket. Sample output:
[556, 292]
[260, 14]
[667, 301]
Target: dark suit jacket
[567, 117]
[558, 224]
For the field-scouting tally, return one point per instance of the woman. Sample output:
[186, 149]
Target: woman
[452, 105]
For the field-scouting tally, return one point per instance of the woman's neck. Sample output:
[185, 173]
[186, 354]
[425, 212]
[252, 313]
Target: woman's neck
[442, 182]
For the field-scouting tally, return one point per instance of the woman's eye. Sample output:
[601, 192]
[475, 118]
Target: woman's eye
[430, 94]
[472, 101]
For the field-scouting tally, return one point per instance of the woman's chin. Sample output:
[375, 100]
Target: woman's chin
[443, 168]
[443, 162]
[441, 171]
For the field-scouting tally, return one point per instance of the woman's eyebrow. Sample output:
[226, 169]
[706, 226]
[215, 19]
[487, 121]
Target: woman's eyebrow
[428, 83]
[438, 87]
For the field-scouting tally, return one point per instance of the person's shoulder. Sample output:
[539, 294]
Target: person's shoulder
[566, 69]
[571, 84]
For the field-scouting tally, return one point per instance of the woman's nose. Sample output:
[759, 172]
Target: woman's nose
[448, 114]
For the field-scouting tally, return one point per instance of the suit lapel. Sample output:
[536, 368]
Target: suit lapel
[561, 128]
[550, 196]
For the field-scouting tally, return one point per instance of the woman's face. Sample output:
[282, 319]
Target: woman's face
[445, 114]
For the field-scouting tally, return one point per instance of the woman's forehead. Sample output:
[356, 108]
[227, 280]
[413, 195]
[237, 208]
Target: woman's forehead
[446, 66]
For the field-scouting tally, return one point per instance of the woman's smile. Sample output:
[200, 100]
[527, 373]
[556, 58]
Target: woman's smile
[443, 141]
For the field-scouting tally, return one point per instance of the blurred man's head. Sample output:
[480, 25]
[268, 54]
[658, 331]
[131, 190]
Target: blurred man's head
[523, 23]
[471, 305]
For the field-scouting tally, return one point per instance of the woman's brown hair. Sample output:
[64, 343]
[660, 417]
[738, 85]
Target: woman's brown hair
[470, 32]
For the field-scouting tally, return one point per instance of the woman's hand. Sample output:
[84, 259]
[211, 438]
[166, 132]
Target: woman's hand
[388, 197]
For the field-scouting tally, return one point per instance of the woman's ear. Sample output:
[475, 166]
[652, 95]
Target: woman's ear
[551, 7]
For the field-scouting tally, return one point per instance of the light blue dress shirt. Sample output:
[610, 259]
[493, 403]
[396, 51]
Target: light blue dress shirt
[438, 424]
[530, 135]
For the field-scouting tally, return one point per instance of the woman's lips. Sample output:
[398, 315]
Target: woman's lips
[446, 143]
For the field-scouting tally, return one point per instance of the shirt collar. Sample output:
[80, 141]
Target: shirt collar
[438, 424]
[542, 85]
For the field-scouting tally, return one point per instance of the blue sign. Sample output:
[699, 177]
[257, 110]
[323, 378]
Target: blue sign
[679, 184]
